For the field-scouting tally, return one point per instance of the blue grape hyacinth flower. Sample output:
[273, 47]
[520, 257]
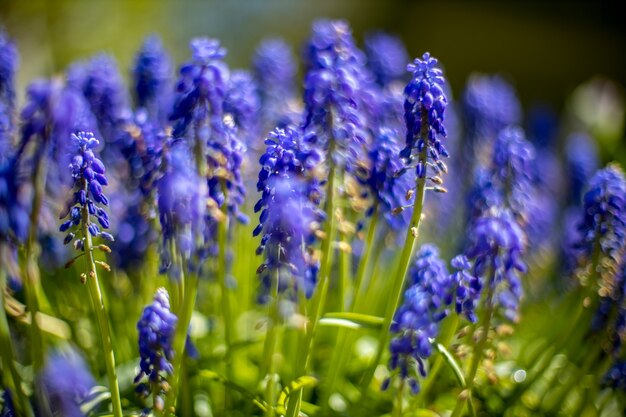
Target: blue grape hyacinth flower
[65, 383]
[88, 173]
[424, 112]
[496, 246]
[416, 322]
[152, 78]
[156, 329]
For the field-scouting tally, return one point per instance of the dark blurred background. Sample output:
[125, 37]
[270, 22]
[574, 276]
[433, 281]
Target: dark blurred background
[545, 48]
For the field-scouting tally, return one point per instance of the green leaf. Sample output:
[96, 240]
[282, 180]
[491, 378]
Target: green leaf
[452, 364]
[214, 376]
[352, 321]
[295, 385]
[422, 412]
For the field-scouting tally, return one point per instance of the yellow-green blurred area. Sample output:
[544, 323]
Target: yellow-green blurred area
[546, 48]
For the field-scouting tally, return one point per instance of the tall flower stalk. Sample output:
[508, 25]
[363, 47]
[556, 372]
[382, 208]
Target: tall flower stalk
[83, 212]
[424, 106]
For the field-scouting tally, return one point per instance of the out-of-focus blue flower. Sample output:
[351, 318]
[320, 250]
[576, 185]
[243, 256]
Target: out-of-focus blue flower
[290, 195]
[604, 221]
[156, 329]
[14, 205]
[9, 60]
[201, 90]
[181, 194]
[89, 177]
[386, 57]
[417, 320]
[331, 87]
[582, 160]
[424, 111]
[51, 114]
[496, 246]
[512, 168]
[378, 175]
[490, 104]
[65, 383]
[243, 103]
[152, 79]
[199, 117]
[100, 82]
[133, 233]
[275, 70]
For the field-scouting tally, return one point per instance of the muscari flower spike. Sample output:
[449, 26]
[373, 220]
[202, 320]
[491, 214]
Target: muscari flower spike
[14, 206]
[89, 177]
[156, 329]
[378, 176]
[181, 201]
[288, 186]
[386, 57]
[582, 160]
[66, 383]
[424, 111]
[331, 87]
[9, 59]
[100, 82]
[152, 78]
[496, 247]
[243, 103]
[490, 104]
[275, 70]
[604, 218]
[416, 322]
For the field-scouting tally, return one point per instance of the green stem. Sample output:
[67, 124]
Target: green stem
[319, 297]
[397, 407]
[222, 276]
[342, 349]
[32, 275]
[101, 315]
[400, 276]
[270, 347]
[365, 259]
[7, 355]
[180, 337]
[479, 347]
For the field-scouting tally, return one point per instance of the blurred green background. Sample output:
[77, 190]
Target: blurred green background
[545, 48]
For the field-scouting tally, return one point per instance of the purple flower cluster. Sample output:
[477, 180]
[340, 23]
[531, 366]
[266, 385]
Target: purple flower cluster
[378, 175]
[65, 384]
[199, 116]
[616, 376]
[9, 58]
[424, 111]
[289, 202]
[490, 104]
[100, 82]
[152, 79]
[416, 321]
[180, 197]
[201, 90]
[331, 87]
[243, 103]
[156, 329]
[604, 219]
[496, 246]
[386, 57]
[14, 206]
[468, 288]
[275, 70]
[52, 113]
[89, 177]
[582, 161]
